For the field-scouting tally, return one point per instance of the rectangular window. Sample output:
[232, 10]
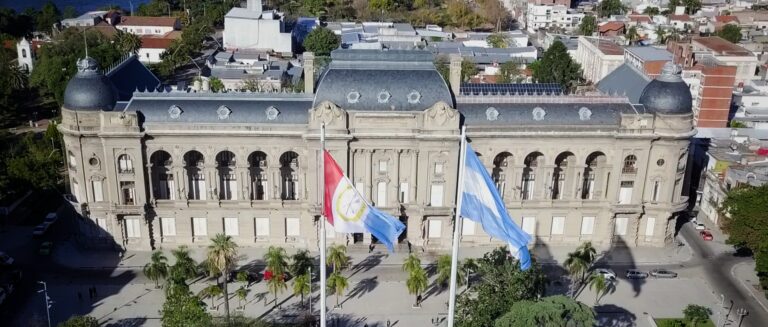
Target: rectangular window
[403, 192]
[132, 228]
[467, 227]
[436, 195]
[231, 227]
[587, 225]
[262, 227]
[529, 225]
[102, 226]
[558, 225]
[199, 227]
[435, 229]
[292, 227]
[228, 187]
[655, 192]
[650, 225]
[259, 187]
[382, 166]
[168, 226]
[625, 193]
[165, 191]
[438, 168]
[197, 187]
[620, 226]
[98, 194]
[381, 194]
[128, 191]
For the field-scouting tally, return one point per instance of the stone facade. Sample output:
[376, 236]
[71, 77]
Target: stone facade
[178, 168]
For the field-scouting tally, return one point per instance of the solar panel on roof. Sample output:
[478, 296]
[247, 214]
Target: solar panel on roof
[511, 89]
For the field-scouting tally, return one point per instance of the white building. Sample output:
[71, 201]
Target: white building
[87, 19]
[145, 25]
[254, 29]
[542, 16]
[598, 58]
[751, 102]
[25, 54]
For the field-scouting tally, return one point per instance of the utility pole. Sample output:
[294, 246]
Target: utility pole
[309, 271]
[47, 301]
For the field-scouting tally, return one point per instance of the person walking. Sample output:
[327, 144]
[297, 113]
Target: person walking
[388, 323]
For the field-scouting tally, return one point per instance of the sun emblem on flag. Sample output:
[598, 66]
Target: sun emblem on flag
[349, 205]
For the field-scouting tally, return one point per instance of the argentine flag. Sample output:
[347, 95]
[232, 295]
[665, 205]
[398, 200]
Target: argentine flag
[481, 203]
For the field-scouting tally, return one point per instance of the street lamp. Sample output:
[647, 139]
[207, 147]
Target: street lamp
[47, 301]
[742, 313]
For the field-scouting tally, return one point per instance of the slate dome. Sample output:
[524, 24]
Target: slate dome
[668, 93]
[89, 89]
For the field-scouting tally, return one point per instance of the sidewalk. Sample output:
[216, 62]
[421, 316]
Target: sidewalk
[745, 273]
[69, 255]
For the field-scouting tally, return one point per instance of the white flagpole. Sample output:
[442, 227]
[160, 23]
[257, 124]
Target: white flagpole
[323, 309]
[457, 227]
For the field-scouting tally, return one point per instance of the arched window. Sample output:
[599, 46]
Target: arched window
[124, 164]
[257, 164]
[594, 161]
[163, 182]
[558, 175]
[289, 174]
[225, 163]
[630, 165]
[499, 173]
[193, 164]
[529, 174]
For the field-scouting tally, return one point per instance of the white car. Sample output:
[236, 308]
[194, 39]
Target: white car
[5, 260]
[700, 226]
[607, 273]
[636, 274]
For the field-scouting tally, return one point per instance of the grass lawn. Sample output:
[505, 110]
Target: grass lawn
[670, 322]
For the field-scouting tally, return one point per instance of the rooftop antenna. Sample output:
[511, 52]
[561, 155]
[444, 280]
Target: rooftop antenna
[85, 41]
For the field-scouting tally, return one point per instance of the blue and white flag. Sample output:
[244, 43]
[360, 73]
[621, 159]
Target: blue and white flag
[482, 203]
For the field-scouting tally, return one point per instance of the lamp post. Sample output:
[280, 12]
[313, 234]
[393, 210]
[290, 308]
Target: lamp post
[742, 313]
[47, 301]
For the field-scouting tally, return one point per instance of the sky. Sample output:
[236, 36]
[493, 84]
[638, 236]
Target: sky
[80, 5]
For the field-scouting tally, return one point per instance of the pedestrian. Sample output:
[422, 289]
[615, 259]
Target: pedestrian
[409, 247]
[79, 296]
[388, 323]
[370, 248]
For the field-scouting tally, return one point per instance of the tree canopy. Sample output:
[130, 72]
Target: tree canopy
[747, 224]
[558, 310]
[730, 32]
[80, 321]
[588, 25]
[557, 66]
[321, 41]
[611, 7]
[181, 308]
[498, 40]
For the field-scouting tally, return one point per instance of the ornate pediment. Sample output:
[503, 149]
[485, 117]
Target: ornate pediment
[326, 112]
[441, 114]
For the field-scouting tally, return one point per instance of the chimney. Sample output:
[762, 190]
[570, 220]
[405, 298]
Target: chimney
[309, 72]
[455, 73]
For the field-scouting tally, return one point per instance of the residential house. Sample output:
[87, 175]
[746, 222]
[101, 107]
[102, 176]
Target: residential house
[598, 58]
[254, 29]
[145, 25]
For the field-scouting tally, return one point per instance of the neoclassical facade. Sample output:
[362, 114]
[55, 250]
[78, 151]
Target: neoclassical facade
[166, 169]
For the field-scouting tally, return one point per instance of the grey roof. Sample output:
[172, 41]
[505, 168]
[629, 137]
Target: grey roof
[624, 80]
[246, 108]
[668, 93]
[650, 53]
[89, 89]
[556, 114]
[131, 75]
[405, 80]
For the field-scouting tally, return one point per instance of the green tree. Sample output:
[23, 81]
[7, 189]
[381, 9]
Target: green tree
[468, 69]
[501, 283]
[216, 84]
[36, 166]
[744, 218]
[184, 268]
[692, 6]
[222, 257]
[48, 16]
[241, 277]
[651, 11]
[632, 35]
[730, 32]
[602, 286]
[302, 286]
[157, 268]
[276, 285]
[611, 7]
[276, 260]
[300, 262]
[337, 257]
[696, 314]
[555, 310]
[557, 66]
[381, 5]
[242, 294]
[444, 271]
[314, 7]
[417, 283]
[736, 124]
[321, 41]
[469, 266]
[498, 40]
[661, 34]
[181, 308]
[80, 321]
[588, 25]
[508, 72]
[127, 42]
[411, 263]
[211, 292]
[578, 263]
[337, 283]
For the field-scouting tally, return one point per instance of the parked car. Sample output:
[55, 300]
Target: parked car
[50, 218]
[40, 230]
[607, 273]
[700, 226]
[5, 260]
[45, 248]
[706, 235]
[253, 276]
[663, 273]
[636, 274]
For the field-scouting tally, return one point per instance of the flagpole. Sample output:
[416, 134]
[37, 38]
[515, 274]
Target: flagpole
[323, 309]
[456, 227]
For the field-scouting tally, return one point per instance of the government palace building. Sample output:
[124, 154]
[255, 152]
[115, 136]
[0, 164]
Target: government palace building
[171, 168]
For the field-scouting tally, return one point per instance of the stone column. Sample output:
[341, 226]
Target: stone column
[542, 190]
[515, 179]
[368, 181]
[414, 176]
[397, 176]
[573, 179]
[150, 179]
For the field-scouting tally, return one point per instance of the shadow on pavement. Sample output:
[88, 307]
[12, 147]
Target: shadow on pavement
[610, 315]
[619, 254]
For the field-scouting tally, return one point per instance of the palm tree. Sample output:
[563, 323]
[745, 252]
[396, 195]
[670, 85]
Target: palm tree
[444, 271]
[417, 283]
[601, 285]
[469, 266]
[411, 263]
[337, 257]
[157, 268]
[127, 42]
[276, 262]
[578, 263]
[222, 254]
[661, 34]
[242, 293]
[632, 35]
[338, 284]
[588, 252]
[300, 262]
[212, 291]
[276, 284]
[185, 267]
[17, 76]
[302, 286]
